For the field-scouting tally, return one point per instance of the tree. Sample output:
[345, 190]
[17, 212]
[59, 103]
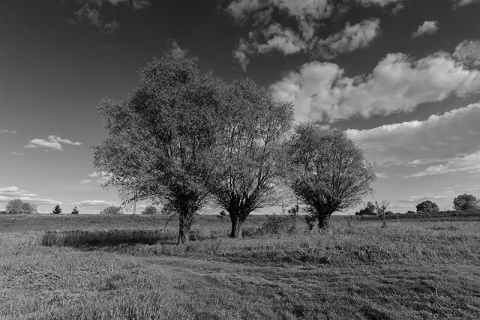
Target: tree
[369, 210]
[427, 206]
[465, 202]
[17, 206]
[150, 210]
[160, 138]
[112, 210]
[57, 209]
[327, 171]
[248, 151]
[381, 208]
[75, 211]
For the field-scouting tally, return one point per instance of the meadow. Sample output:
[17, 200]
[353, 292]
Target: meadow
[128, 267]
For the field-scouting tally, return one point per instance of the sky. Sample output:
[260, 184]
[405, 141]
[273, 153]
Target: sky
[402, 77]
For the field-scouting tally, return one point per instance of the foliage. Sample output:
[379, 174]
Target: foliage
[427, 206]
[277, 225]
[112, 210]
[57, 209]
[17, 206]
[465, 202]
[247, 160]
[369, 210]
[161, 138]
[75, 211]
[150, 210]
[327, 171]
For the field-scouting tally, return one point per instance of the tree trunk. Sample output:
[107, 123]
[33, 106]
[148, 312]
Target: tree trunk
[237, 224]
[323, 221]
[183, 229]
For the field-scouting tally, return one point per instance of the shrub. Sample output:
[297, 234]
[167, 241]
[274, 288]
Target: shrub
[150, 210]
[427, 206]
[75, 211]
[17, 206]
[112, 210]
[369, 210]
[57, 209]
[277, 225]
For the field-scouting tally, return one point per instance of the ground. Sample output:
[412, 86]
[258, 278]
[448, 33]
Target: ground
[409, 270]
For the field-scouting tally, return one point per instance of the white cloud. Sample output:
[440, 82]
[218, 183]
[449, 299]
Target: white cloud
[464, 164]
[8, 131]
[281, 39]
[319, 90]
[15, 153]
[85, 181]
[52, 142]
[415, 199]
[448, 143]
[351, 38]
[461, 3]
[268, 35]
[427, 28]
[94, 203]
[13, 192]
[468, 52]
[382, 175]
[381, 3]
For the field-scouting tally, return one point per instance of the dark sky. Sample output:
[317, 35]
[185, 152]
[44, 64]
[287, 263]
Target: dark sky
[401, 76]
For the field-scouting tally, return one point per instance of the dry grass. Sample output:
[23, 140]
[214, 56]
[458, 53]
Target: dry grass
[421, 270]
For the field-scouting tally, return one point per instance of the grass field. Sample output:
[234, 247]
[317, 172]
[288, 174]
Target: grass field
[413, 269]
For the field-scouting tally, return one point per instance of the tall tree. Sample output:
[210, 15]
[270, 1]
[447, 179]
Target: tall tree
[18, 206]
[161, 136]
[327, 171]
[248, 150]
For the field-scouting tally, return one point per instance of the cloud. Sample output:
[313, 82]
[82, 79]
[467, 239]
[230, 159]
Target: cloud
[381, 175]
[270, 33]
[15, 153]
[101, 177]
[320, 91]
[351, 38]
[381, 3]
[175, 51]
[93, 12]
[464, 164]
[447, 143]
[427, 28]
[468, 52]
[94, 203]
[416, 199]
[13, 192]
[53, 142]
[8, 131]
[85, 181]
[461, 3]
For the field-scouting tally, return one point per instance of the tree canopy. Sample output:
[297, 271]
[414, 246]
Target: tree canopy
[327, 171]
[160, 137]
[465, 202]
[17, 206]
[427, 206]
[247, 157]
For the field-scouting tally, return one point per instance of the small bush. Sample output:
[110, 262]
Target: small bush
[150, 210]
[278, 225]
[75, 211]
[57, 209]
[112, 210]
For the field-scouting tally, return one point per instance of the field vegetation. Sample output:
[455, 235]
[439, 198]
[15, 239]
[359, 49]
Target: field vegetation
[128, 267]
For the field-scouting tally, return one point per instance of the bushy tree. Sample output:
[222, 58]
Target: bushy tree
[327, 171]
[248, 151]
[112, 210]
[75, 211]
[427, 206]
[369, 210]
[150, 210]
[161, 137]
[57, 209]
[465, 202]
[17, 206]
